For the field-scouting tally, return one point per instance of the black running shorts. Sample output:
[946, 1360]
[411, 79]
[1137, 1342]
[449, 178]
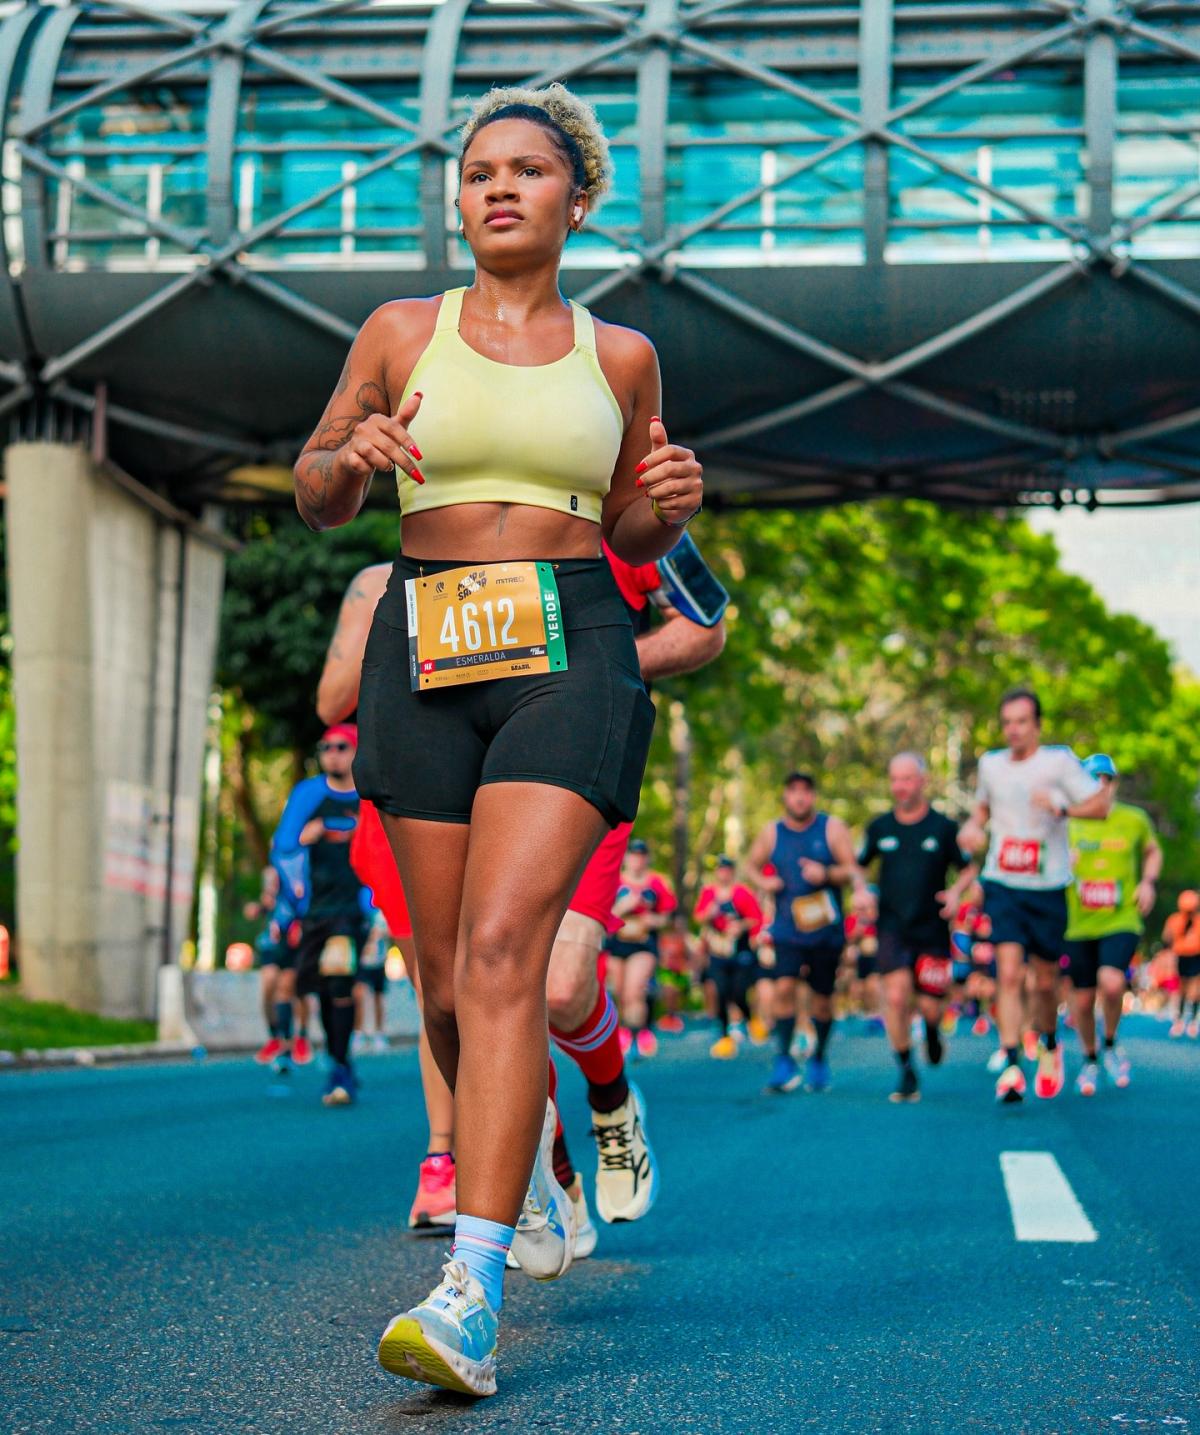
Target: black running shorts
[1036, 921]
[1089, 954]
[817, 965]
[587, 729]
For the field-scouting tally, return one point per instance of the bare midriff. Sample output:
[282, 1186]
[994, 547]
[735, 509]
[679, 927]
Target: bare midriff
[498, 532]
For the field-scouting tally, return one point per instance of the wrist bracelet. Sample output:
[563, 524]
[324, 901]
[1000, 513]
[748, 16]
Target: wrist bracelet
[683, 522]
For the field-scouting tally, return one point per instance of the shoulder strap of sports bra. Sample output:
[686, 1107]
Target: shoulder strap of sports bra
[585, 329]
[449, 310]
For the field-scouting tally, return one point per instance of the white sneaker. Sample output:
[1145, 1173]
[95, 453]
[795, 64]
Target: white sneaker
[544, 1241]
[627, 1176]
[1116, 1066]
[586, 1234]
[379, 1044]
[997, 1061]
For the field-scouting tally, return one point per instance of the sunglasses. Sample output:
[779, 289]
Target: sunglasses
[333, 747]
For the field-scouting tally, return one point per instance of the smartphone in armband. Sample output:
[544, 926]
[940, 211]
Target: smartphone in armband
[690, 586]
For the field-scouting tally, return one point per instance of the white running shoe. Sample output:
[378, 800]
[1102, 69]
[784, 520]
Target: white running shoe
[379, 1044]
[627, 1176]
[544, 1241]
[586, 1234]
[997, 1061]
[1116, 1066]
[447, 1340]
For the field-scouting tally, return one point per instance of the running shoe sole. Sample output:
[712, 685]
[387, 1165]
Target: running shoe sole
[426, 1222]
[339, 1096]
[793, 1083]
[898, 1098]
[406, 1350]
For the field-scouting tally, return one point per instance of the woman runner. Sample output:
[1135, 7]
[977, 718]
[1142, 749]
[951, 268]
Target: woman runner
[521, 432]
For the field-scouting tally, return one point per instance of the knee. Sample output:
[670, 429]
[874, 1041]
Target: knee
[1112, 982]
[496, 967]
[897, 996]
[569, 1001]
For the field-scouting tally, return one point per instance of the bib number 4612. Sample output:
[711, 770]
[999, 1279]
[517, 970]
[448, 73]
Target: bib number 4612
[490, 619]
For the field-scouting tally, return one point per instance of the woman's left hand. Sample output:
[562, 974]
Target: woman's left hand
[671, 478]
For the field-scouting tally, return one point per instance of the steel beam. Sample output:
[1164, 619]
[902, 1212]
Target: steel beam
[1100, 110]
[875, 100]
[653, 102]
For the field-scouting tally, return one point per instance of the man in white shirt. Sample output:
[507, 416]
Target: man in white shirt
[1025, 795]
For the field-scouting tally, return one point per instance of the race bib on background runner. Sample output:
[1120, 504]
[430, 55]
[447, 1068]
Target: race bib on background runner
[934, 975]
[338, 958]
[1020, 856]
[813, 911]
[496, 620]
[1099, 896]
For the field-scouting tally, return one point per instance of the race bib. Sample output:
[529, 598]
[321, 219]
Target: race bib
[338, 958]
[813, 911]
[1020, 856]
[934, 975]
[496, 620]
[1099, 896]
[721, 944]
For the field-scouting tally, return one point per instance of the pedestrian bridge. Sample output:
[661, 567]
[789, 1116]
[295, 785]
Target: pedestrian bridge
[899, 247]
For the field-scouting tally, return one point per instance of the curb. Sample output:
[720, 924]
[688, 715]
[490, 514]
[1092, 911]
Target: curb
[65, 1057]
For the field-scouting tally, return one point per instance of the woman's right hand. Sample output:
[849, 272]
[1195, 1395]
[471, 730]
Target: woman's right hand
[382, 442]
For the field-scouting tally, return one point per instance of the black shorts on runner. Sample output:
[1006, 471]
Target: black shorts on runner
[313, 936]
[1036, 921]
[1189, 968]
[621, 951]
[816, 965]
[373, 977]
[586, 729]
[866, 966]
[1089, 954]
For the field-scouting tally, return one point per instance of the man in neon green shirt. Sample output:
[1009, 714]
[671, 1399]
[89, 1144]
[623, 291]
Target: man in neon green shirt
[1115, 863]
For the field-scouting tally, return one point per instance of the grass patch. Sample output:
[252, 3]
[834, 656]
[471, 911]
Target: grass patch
[28, 1025]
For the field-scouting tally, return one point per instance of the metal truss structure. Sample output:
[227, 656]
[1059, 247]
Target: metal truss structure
[854, 286]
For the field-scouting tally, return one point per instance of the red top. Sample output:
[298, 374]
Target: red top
[634, 583]
[743, 901]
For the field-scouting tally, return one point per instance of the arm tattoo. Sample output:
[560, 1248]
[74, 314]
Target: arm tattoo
[314, 472]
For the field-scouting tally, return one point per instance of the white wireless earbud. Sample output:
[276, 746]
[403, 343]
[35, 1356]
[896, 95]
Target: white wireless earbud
[578, 213]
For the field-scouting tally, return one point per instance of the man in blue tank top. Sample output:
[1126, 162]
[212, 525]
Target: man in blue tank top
[813, 857]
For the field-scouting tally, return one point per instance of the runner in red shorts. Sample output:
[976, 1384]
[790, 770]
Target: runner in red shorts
[583, 1019]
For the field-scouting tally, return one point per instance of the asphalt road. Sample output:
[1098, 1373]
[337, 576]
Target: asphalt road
[182, 1251]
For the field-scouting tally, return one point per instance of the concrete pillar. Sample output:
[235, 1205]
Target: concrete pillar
[97, 616]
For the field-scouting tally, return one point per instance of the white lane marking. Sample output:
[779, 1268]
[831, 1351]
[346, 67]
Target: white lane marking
[1044, 1208]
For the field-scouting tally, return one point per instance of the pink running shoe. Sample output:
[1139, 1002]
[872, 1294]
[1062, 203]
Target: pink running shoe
[302, 1052]
[434, 1203]
[647, 1043]
[1049, 1079]
[269, 1050]
[625, 1037]
[670, 1023]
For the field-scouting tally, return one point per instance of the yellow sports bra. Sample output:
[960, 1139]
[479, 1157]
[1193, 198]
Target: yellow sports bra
[546, 436]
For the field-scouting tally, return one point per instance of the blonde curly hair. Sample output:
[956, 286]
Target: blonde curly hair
[571, 120]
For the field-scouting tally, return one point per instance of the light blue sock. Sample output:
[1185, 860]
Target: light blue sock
[482, 1246]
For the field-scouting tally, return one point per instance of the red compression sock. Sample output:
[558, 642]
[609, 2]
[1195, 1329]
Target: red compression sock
[596, 1049]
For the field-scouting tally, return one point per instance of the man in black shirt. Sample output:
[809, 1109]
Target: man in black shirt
[915, 846]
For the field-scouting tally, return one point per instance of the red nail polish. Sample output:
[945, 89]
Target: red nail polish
[418, 475]
[417, 394]
[641, 468]
[415, 451]
[654, 419]
[639, 483]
